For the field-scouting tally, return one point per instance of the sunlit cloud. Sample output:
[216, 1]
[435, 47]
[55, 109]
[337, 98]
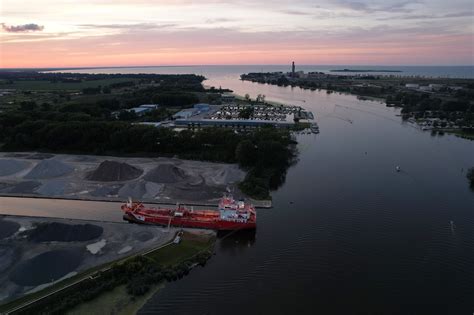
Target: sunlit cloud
[145, 32]
[31, 27]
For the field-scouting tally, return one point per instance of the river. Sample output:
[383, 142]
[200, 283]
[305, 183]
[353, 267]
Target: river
[347, 233]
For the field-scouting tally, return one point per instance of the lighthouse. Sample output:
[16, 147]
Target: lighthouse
[293, 69]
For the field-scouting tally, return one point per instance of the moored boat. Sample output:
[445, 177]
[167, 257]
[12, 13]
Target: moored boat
[230, 215]
[314, 128]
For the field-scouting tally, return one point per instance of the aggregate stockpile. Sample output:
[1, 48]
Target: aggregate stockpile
[37, 252]
[164, 180]
[109, 171]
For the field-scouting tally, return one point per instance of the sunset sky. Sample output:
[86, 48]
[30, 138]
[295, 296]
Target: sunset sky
[70, 33]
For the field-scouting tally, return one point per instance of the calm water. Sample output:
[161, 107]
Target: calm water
[347, 233]
[212, 71]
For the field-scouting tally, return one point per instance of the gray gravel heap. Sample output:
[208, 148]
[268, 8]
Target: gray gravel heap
[166, 173]
[9, 167]
[49, 169]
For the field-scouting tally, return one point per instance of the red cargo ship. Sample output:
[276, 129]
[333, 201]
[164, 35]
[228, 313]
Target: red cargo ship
[230, 215]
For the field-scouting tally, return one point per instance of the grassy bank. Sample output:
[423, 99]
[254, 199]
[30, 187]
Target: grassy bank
[117, 301]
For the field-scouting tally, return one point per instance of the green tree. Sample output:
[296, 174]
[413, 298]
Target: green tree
[245, 153]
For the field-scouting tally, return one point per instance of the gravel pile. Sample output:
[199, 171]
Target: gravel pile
[106, 191]
[166, 173]
[140, 190]
[229, 175]
[9, 256]
[53, 188]
[40, 156]
[8, 228]
[109, 171]
[17, 155]
[61, 232]
[186, 192]
[47, 266]
[4, 186]
[27, 187]
[49, 169]
[9, 167]
[143, 236]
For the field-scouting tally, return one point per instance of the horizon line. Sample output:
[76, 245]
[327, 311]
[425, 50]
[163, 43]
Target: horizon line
[219, 65]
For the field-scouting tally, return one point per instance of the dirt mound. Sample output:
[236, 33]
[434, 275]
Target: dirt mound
[49, 169]
[9, 167]
[60, 232]
[166, 174]
[8, 228]
[140, 190]
[110, 171]
[47, 266]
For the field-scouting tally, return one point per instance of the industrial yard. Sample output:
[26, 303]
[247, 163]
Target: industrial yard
[87, 177]
[36, 253]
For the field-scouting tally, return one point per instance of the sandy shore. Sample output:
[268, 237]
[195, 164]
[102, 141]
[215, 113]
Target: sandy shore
[87, 177]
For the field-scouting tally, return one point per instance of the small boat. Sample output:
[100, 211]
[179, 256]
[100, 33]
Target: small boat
[314, 128]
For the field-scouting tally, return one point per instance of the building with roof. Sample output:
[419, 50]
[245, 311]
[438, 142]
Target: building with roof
[232, 123]
[151, 106]
[143, 109]
[186, 113]
[202, 107]
[227, 98]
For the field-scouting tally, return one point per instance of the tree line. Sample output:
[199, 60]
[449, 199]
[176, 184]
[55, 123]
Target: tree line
[138, 274]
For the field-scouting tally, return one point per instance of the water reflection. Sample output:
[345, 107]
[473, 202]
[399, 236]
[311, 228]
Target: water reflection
[232, 241]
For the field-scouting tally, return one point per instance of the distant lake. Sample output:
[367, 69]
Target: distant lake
[425, 71]
[347, 234]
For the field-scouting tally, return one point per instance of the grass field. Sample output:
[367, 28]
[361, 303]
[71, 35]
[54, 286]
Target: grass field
[50, 86]
[175, 253]
[54, 287]
[116, 302]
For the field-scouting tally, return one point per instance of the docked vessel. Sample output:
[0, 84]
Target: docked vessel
[230, 215]
[314, 128]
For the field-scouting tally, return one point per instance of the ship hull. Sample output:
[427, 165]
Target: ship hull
[219, 225]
